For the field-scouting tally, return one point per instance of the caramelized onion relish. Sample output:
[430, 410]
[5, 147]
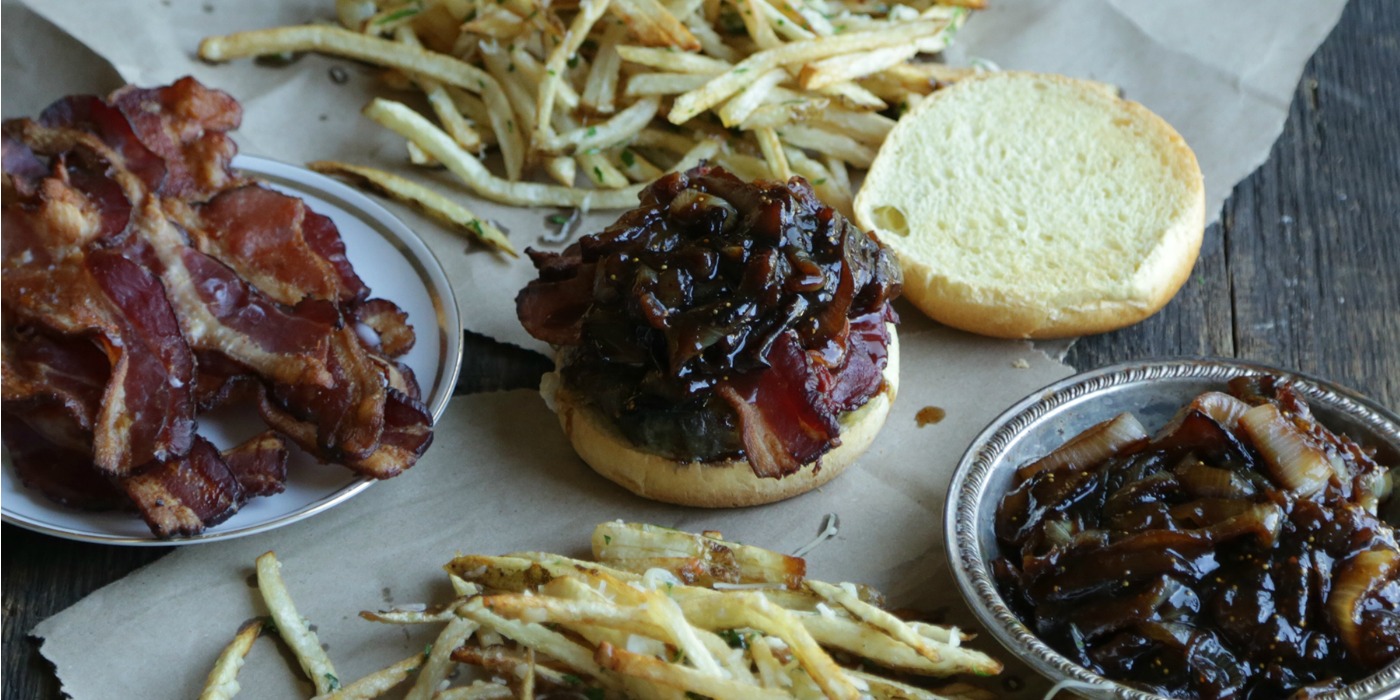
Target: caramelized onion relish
[712, 282]
[1237, 554]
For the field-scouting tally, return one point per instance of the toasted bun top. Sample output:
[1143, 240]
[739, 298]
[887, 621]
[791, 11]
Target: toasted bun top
[727, 484]
[1026, 205]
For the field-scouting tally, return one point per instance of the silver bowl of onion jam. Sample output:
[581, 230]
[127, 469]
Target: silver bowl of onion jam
[1187, 528]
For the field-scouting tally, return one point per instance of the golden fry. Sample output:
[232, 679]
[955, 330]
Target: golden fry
[680, 677]
[293, 628]
[377, 683]
[689, 105]
[342, 42]
[797, 86]
[439, 662]
[653, 25]
[672, 61]
[829, 71]
[547, 624]
[620, 128]
[739, 107]
[590, 12]
[457, 216]
[222, 683]
[645, 84]
[411, 125]
[600, 87]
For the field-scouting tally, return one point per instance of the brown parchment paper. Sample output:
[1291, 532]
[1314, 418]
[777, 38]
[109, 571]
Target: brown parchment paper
[500, 476]
[1221, 72]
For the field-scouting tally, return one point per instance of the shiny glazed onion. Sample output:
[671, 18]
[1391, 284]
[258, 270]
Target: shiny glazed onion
[720, 318]
[1236, 554]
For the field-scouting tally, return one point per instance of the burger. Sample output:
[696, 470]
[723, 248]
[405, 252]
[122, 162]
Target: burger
[723, 344]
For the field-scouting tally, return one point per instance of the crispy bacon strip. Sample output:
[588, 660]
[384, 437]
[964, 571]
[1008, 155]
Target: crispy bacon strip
[350, 416]
[552, 307]
[787, 413]
[261, 235]
[49, 282]
[224, 313]
[61, 473]
[406, 436]
[148, 408]
[107, 195]
[408, 432]
[183, 496]
[51, 220]
[780, 411]
[400, 376]
[23, 170]
[89, 113]
[221, 381]
[390, 324]
[259, 464]
[66, 371]
[323, 237]
[848, 386]
[184, 124]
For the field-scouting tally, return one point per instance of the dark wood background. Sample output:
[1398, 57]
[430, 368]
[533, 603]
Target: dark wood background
[1303, 272]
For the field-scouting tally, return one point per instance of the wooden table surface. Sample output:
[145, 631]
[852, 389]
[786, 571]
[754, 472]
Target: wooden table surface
[1303, 272]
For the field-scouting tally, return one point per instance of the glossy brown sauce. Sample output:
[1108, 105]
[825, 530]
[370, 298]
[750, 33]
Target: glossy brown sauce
[1236, 554]
[929, 415]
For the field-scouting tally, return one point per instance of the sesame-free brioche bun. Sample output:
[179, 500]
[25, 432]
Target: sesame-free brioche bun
[1023, 205]
[727, 484]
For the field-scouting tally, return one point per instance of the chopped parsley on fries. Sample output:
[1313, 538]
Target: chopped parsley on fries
[662, 614]
[568, 90]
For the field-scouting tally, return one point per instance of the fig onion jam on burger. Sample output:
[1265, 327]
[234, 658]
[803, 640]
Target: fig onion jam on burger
[723, 344]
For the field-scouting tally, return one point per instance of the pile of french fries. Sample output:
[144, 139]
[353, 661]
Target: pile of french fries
[661, 614]
[614, 93]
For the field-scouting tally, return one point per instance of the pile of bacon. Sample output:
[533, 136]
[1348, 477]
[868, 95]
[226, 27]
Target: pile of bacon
[146, 282]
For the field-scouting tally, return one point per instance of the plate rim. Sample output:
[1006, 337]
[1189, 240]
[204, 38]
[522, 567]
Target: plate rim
[963, 503]
[440, 291]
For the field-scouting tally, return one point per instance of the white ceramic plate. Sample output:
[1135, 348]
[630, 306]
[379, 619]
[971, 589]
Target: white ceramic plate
[397, 266]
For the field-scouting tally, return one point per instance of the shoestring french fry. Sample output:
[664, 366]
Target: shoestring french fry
[378, 683]
[448, 211]
[538, 623]
[222, 683]
[552, 85]
[293, 628]
[441, 102]
[439, 663]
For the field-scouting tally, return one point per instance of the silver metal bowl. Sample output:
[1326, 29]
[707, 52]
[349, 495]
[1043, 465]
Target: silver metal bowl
[1152, 391]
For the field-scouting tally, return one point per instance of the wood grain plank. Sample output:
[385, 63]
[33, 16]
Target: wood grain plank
[1304, 269]
[44, 575]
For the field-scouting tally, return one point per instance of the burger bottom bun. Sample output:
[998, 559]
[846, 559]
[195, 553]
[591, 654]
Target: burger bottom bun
[727, 484]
